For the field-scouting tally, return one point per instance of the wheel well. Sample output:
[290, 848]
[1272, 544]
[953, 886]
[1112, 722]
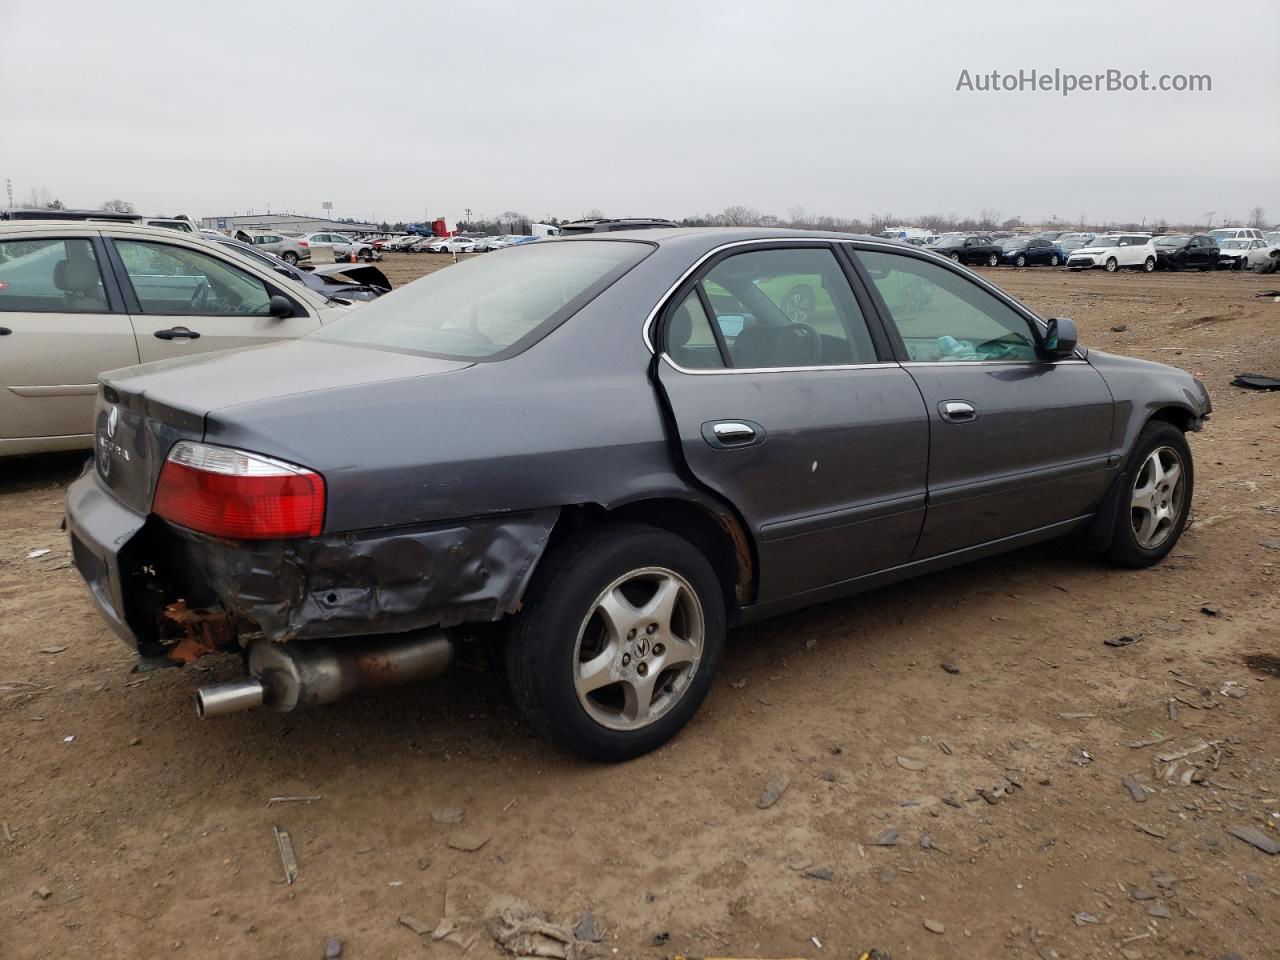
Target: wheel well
[1183, 419]
[719, 536]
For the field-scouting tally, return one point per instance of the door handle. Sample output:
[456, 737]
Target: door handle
[177, 333]
[957, 411]
[5, 331]
[733, 431]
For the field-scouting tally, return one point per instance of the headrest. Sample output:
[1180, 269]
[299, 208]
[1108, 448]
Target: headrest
[679, 327]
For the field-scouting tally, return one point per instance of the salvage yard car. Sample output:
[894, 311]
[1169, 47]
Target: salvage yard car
[1030, 251]
[80, 298]
[968, 249]
[596, 454]
[1115, 251]
[1180, 251]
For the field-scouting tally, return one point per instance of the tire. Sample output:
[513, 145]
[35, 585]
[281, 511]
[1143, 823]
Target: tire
[1129, 548]
[1054, 261]
[290, 258]
[993, 260]
[561, 623]
[955, 258]
[1112, 265]
[1020, 261]
[1148, 264]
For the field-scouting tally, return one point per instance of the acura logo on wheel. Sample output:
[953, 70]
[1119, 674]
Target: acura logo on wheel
[642, 647]
[113, 418]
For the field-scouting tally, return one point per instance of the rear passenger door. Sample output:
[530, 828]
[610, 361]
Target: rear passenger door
[1017, 442]
[61, 324]
[183, 300]
[787, 403]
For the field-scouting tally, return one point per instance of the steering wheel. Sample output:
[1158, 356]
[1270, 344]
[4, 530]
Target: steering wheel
[199, 296]
[808, 337]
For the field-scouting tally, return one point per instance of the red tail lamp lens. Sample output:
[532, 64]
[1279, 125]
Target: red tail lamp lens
[239, 495]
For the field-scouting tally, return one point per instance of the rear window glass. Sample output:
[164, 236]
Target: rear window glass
[490, 307]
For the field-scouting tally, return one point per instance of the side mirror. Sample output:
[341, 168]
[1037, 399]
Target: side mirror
[280, 307]
[1060, 339]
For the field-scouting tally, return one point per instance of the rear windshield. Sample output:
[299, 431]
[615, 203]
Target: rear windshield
[492, 307]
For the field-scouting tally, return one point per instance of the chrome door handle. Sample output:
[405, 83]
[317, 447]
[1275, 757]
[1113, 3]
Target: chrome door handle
[733, 431]
[957, 411]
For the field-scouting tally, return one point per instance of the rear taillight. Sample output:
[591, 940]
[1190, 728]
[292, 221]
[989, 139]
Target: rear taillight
[303, 243]
[243, 496]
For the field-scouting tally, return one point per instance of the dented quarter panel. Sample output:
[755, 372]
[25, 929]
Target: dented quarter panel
[382, 581]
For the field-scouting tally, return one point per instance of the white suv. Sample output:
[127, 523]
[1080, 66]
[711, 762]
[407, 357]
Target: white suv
[1236, 233]
[1116, 250]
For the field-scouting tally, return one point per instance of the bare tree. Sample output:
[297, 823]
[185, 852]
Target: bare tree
[1256, 216]
[739, 217]
[988, 218]
[119, 206]
[595, 213]
[796, 215]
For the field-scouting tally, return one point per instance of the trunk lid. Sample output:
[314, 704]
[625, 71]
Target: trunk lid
[143, 411]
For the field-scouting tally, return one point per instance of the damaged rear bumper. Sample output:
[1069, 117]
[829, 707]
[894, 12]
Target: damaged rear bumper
[140, 570]
[384, 581]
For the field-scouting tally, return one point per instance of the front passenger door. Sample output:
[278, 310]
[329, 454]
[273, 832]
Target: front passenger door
[184, 301]
[1016, 442]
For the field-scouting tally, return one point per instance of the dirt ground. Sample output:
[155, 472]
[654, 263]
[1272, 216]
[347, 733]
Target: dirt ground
[131, 829]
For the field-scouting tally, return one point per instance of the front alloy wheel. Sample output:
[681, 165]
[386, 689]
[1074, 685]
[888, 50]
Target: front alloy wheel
[993, 260]
[1021, 261]
[1112, 265]
[1157, 500]
[1149, 264]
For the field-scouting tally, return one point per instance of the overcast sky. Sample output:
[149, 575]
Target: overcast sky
[553, 107]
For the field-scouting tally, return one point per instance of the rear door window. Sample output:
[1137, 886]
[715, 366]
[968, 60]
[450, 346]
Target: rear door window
[788, 307]
[50, 276]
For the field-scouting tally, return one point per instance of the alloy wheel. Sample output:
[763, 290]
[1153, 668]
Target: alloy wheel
[1157, 501]
[638, 648]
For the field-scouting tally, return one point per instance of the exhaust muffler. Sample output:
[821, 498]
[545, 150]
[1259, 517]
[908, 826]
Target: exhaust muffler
[288, 676]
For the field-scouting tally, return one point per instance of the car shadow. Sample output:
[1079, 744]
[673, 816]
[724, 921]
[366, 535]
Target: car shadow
[33, 472]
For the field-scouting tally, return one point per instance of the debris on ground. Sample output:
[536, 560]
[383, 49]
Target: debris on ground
[1211, 611]
[467, 841]
[37, 554]
[271, 801]
[773, 790]
[950, 667]
[455, 932]
[42, 893]
[53, 649]
[1136, 790]
[911, 763]
[1234, 689]
[933, 926]
[1123, 641]
[524, 931]
[1082, 918]
[1255, 837]
[586, 928]
[288, 859]
[660, 938]
[818, 873]
[887, 839]
[997, 791]
[333, 949]
[414, 924]
[451, 815]
[1256, 381]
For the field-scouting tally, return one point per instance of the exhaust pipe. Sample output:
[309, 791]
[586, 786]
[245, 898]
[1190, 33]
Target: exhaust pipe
[224, 698]
[288, 676]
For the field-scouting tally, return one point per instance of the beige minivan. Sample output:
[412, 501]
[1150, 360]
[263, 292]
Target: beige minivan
[79, 298]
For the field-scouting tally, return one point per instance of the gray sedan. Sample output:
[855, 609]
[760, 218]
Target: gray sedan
[590, 457]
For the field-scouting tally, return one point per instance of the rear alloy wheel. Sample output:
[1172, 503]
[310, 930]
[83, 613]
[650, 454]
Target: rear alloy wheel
[1112, 265]
[1148, 264]
[1053, 260]
[1161, 480]
[993, 260]
[1020, 261]
[955, 258]
[289, 257]
[618, 640]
